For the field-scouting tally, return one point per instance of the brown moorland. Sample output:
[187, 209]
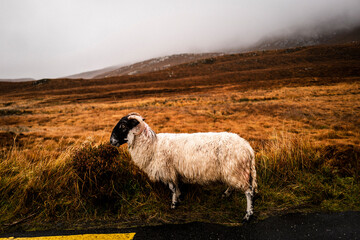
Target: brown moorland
[288, 103]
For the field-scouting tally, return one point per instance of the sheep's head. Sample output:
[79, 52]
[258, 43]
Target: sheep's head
[121, 131]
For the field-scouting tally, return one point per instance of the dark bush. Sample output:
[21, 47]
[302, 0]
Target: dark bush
[106, 174]
[208, 61]
[41, 81]
[344, 159]
[8, 112]
[97, 168]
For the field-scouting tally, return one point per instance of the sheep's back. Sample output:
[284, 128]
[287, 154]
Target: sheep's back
[203, 157]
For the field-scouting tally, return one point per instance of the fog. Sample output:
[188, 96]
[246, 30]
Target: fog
[55, 38]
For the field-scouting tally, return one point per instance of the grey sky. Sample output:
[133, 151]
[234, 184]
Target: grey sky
[55, 38]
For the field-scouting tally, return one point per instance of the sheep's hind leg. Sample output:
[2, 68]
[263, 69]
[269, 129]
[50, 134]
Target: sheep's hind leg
[249, 205]
[227, 192]
[175, 194]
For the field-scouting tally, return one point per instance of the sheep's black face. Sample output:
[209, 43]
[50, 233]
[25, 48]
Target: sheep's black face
[121, 131]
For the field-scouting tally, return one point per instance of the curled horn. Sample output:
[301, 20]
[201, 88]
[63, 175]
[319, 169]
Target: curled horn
[135, 113]
[141, 122]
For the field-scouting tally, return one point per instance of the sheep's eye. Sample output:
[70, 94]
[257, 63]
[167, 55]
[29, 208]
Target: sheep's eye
[122, 127]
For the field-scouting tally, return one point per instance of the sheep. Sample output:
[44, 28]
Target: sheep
[199, 158]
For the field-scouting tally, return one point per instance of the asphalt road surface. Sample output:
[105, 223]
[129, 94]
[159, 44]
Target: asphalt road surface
[345, 225]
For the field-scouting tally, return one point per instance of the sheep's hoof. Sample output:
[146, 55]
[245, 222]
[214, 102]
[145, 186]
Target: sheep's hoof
[248, 216]
[173, 205]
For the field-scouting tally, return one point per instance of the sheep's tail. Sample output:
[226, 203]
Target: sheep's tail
[253, 181]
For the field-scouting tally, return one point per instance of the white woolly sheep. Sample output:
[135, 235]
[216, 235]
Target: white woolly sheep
[193, 158]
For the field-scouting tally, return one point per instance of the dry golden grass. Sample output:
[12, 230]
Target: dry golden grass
[328, 114]
[314, 118]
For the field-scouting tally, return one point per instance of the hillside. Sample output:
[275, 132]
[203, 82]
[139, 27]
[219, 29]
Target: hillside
[92, 74]
[151, 65]
[306, 37]
[318, 35]
[316, 65]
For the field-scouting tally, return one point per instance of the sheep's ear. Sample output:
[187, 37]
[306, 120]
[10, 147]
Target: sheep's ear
[133, 123]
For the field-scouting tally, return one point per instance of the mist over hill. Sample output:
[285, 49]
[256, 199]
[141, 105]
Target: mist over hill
[17, 80]
[334, 32]
[94, 73]
[307, 37]
[151, 65]
[298, 37]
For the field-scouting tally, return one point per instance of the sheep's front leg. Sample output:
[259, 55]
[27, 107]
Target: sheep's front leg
[175, 194]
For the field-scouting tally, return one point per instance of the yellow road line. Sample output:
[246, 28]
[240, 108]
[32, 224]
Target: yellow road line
[113, 236]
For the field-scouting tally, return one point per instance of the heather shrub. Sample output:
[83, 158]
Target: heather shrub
[106, 174]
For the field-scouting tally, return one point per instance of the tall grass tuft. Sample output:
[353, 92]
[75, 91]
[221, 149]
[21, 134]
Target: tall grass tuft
[36, 182]
[283, 157]
[293, 173]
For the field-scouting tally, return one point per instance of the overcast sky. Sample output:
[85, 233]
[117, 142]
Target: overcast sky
[55, 38]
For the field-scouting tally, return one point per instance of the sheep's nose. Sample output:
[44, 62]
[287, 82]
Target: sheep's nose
[114, 142]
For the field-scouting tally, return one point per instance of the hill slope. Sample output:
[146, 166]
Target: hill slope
[151, 65]
[92, 74]
[297, 38]
[314, 65]
[303, 38]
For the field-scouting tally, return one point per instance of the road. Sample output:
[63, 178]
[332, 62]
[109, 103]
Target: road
[345, 225]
